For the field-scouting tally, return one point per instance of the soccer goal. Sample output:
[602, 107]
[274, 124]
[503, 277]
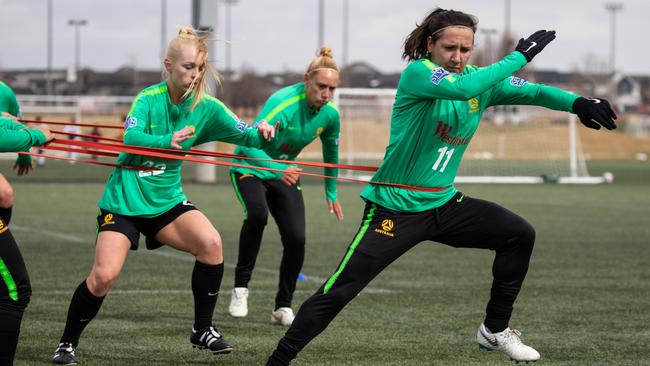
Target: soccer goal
[513, 144]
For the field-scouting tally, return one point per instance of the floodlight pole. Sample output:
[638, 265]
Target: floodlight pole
[163, 29]
[229, 4]
[49, 88]
[321, 23]
[612, 8]
[77, 24]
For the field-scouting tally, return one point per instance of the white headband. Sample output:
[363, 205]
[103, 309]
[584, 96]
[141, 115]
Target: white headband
[451, 26]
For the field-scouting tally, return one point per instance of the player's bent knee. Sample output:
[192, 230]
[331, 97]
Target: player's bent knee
[257, 215]
[209, 246]
[100, 281]
[296, 240]
[527, 233]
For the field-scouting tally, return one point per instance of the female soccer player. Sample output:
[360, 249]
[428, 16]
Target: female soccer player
[304, 112]
[15, 288]
[176, 113]
[437, 109]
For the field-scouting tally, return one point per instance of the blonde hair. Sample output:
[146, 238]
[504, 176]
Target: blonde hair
[199, 86]
[323, 60]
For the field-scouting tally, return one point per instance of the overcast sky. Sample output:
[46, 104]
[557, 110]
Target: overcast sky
[279, 35]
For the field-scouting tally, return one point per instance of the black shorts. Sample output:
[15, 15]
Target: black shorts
[132, 226]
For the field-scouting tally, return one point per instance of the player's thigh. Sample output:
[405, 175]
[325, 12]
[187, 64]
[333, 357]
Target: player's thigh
[111, 250]
[190, 232]
[467, 222]
[251, 193]
[287, 206]
[6, 193]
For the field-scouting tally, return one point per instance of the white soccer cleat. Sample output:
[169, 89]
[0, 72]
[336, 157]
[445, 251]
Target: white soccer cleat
[239, 302]
[508, 341]
[282, 316]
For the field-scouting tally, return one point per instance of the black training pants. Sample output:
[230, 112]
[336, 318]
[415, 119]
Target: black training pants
[385, 235]
[15, 292]
[286, 204]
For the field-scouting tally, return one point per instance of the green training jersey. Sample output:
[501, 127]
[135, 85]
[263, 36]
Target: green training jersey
[151, 122]
[16, 137]
[435, 116]
[9, 104]
[299, 126]
[8, 101]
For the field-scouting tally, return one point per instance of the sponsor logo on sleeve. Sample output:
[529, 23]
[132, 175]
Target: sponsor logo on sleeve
[241, 126]
[517, 81]
[438, 74]
[130, 122]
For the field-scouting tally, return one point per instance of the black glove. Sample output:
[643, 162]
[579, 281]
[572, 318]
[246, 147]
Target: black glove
[534, 44]
[595, 112]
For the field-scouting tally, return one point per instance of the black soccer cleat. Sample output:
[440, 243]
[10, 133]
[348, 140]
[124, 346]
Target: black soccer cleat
[210, 339]
[64, 354]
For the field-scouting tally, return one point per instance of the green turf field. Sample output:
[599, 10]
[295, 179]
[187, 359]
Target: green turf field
[586, 300]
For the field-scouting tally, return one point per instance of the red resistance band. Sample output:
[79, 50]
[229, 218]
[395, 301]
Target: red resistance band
[224, 155]
[164, 154]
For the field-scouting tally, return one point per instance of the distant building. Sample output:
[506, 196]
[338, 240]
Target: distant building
[248, 90]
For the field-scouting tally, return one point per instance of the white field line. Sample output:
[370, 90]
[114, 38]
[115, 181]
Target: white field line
[184, 257]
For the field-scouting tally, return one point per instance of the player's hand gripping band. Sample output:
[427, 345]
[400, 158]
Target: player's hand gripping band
[534, 44]
[595, 112]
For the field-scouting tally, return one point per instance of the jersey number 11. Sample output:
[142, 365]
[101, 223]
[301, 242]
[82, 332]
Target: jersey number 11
[443, 151]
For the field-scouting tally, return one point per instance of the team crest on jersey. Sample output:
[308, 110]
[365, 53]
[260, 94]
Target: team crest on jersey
[438, 74]
[3, 227]
[517, 81]
[130, 122]
[473, 105]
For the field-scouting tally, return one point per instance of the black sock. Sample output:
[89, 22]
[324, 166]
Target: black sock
[83, 308]
[9, 332]
[206, 280]
[5, 214]
[495, 325]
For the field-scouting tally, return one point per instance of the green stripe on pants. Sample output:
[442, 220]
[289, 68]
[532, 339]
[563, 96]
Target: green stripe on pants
[9, 281]
[239, 197]
[353, 246]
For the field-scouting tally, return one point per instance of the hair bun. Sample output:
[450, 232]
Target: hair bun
[326, 52]
[187, 32]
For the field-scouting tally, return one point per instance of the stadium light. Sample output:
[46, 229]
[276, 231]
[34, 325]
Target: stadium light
[77, 24]
[612, 8]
